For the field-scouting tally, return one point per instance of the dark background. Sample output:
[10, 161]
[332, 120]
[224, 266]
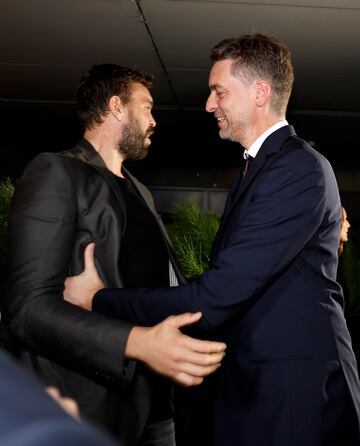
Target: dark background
[182, 138]
[47, 45]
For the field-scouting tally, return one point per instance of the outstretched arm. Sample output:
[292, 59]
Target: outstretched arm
[258, 243]
[171, 353]
[163, 347]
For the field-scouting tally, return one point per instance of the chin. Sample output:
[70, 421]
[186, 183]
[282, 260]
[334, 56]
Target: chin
[228, 136]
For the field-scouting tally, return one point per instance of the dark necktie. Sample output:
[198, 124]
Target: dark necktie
[238, 179]
[246, 166]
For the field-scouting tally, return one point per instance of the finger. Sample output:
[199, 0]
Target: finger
[187, 380]
[201, 359]
[184, 319]
[198, 371]
[89, 262]
[201, 346]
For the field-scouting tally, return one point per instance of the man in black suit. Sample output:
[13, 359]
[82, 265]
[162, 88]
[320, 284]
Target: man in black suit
[66, 200]
[29, 417]
[289, 377]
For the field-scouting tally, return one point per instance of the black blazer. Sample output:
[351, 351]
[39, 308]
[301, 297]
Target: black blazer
[289, 376]
[63, 202]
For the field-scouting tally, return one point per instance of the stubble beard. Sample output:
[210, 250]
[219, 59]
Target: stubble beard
[229, 133]
[132, 144]
[235, 129]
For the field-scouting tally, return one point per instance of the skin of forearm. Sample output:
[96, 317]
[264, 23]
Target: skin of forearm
[135, 343]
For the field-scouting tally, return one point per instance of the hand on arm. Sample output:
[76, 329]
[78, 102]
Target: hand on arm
[169, 352]
[80, 290]
[163, 347]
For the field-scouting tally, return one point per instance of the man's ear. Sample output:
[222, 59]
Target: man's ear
[116, 107]
[263, 90]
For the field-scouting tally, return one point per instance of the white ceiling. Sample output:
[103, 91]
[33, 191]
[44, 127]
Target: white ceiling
[46, 45]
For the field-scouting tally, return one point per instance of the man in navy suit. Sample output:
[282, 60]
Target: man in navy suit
[29, 417]
[290, 376]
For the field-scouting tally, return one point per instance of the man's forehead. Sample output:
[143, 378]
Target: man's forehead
[139, 91]
[220, 72]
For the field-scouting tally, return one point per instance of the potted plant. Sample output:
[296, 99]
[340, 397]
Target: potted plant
[192, 233]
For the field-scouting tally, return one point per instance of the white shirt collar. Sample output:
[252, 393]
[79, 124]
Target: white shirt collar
[255, 146]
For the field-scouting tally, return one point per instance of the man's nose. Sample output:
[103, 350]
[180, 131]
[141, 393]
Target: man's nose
[152, 121]
[210, 105]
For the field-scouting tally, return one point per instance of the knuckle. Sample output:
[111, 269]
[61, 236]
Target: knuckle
[175, 356]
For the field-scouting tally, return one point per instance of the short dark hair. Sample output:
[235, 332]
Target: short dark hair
[257, 56]
[100, 84]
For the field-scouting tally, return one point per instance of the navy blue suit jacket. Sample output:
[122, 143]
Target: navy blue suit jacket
[289, 376]
[30, 417]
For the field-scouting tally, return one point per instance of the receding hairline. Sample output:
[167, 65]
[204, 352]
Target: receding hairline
[147, 96]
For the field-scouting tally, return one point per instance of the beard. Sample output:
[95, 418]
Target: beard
[228, 134]
[133, 142]
[236, 128]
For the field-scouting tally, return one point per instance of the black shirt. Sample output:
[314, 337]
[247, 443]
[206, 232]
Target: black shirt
[144, 262]
[144, 259]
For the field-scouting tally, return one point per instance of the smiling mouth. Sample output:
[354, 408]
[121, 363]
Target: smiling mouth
[220, 119]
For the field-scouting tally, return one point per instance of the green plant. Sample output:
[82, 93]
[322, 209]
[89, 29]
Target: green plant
[349, 268]
[6, 192]
[192, 233]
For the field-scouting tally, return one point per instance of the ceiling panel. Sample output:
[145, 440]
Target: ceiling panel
[69, 32]
[323, 40]
[46, 45]
[349, 4]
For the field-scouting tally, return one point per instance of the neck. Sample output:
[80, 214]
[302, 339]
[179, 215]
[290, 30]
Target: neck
[106, 146]
[259, 128]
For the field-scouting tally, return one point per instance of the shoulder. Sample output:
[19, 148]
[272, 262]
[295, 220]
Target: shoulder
[296, 167]
[47, 178]
[298, 149]
[298, 159]
[56, 168]
[56, 160]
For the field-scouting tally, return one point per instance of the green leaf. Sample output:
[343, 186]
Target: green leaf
[192, 233]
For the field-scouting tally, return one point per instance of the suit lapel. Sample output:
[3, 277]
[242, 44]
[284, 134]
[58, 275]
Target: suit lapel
[91, 156]
[270, 146]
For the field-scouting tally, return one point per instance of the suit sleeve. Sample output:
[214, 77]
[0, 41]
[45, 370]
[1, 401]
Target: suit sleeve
[42, 228]
[284, 212]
